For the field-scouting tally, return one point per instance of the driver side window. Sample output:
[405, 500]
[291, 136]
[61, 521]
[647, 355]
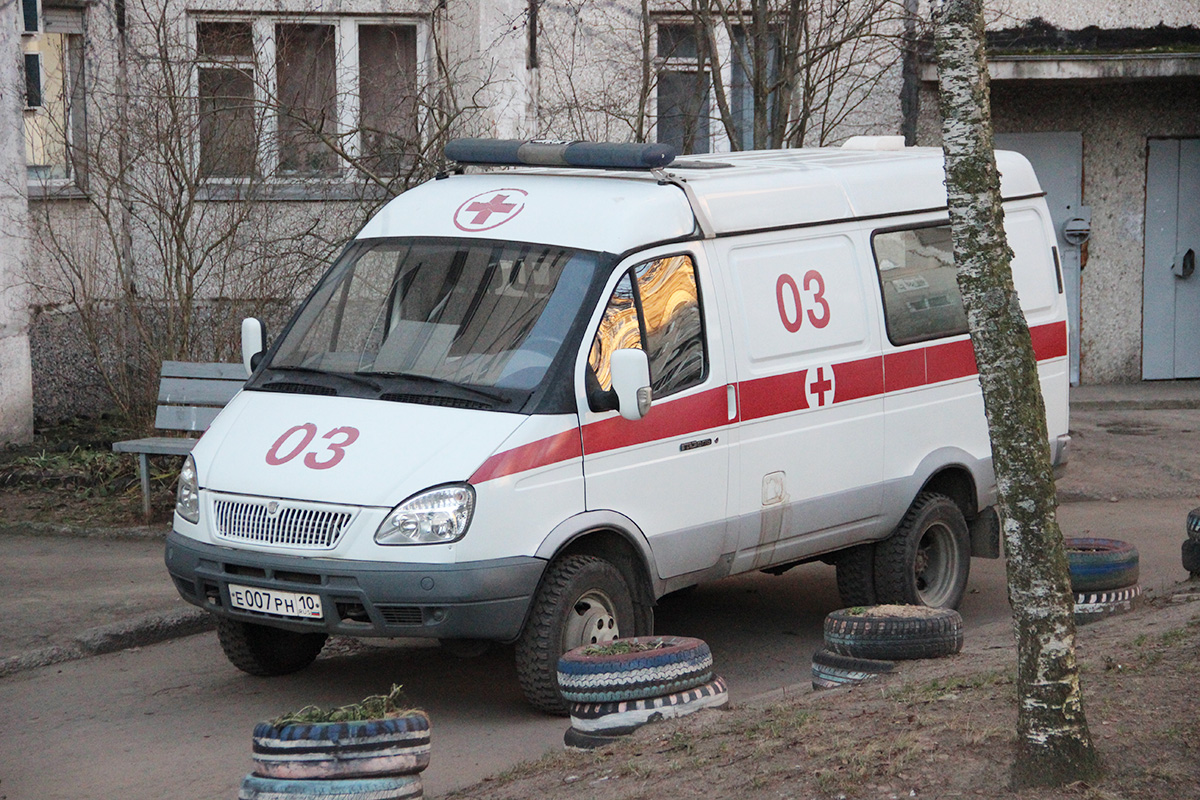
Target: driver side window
[655, 307]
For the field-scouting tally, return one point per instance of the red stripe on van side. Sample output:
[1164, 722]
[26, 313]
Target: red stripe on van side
[551, 450]
[778, 394]
[1050, 340]
[950, 360]
[672, 417]
[858, 379]
[904, 370]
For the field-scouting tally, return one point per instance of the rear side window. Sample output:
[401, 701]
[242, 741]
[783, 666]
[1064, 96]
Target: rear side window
[920, 289]
[655, 307]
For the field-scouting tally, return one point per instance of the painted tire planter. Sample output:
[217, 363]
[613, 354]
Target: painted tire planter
[397, 745]
[401, 787]
[680, 663]
[1101, 564]
[1091, 606]
[626, 716]
[831, 670]
[892, 632]
[1193, 524]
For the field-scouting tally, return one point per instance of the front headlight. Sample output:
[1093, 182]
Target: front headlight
[187, 496]
[435, 516]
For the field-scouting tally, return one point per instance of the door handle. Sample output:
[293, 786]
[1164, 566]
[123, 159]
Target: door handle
[1185, 264]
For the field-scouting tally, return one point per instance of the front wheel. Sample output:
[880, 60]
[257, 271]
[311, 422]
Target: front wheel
[928, 558]
[582, 600]
[267, 652]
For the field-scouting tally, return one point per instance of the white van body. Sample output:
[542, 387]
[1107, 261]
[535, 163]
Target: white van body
[815, 385]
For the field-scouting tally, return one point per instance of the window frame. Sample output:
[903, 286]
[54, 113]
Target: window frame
[887, 326]
[346, 84]
[70, 23]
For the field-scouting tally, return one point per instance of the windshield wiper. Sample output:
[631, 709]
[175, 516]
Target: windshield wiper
[357, 377]
[415, 376]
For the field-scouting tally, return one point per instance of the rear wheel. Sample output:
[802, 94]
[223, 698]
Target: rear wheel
[928, 558]
[582, 600]
[856, 576]
[267, 652]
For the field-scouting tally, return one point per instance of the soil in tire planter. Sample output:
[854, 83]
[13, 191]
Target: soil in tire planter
[678, 664]
[875, 634]
[1101, 564]
[267, 652]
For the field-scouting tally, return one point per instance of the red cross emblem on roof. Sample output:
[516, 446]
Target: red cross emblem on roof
[489, 209]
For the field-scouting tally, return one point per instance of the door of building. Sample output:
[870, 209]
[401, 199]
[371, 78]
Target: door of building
[1057, 158]
[1170, 287]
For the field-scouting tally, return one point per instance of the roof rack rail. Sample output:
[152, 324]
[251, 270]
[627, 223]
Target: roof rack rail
[556, 153]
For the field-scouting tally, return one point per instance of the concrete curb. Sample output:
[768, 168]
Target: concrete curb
[137, 632]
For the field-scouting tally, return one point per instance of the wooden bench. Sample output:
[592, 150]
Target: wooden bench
[189, 397]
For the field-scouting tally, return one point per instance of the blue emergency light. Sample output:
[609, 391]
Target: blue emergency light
[553, 153]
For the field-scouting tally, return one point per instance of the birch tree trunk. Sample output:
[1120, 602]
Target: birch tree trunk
[1054, 744]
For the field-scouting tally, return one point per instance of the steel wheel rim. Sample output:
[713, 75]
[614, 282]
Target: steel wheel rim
[591, 620]
[934, 568]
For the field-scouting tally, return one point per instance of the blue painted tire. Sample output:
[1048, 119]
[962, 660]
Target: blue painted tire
[879, 633]
[682, 663]
[390, 746]
[626, 716]
[1101, 564]
[403, 787]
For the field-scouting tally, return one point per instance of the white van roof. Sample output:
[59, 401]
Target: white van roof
[617, 211]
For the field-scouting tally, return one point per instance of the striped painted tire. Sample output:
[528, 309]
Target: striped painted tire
[1191, 556]
[682, 663]
[626, 716]
[1193, 524]
[401, 787]
[831, 670]
[1091, 606]
[917, 632]
[391, 746]
[1100, 564]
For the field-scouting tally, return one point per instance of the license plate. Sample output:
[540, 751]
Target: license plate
[273, 601]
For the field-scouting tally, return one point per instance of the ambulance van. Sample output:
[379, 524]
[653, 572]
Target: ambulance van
[562, 380]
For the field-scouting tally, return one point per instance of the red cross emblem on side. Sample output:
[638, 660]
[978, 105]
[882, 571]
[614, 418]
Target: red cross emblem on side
[489, 209]
[819, 386]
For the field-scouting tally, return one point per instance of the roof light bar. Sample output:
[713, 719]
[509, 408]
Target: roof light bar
[551, 153]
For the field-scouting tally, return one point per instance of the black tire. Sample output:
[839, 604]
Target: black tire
[581, 600]
[831, 670]
[579, 740]
[679, 664]
[927, 559]
[856, 576]
[369, 748]
[1091, 606]
[890, 633]
[1101, 564]
[402, 787]
[618, 719]
[1191, 556]
[267, 652]
[1193, 524]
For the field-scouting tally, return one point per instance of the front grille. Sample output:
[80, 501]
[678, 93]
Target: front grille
[289, 526]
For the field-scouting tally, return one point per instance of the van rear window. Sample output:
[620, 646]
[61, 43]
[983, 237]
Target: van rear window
[920, 289]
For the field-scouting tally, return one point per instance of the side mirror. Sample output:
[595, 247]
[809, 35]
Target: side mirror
[253, 343]
[630, 370]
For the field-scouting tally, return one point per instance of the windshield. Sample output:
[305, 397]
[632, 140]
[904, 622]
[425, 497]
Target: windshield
[467, 312]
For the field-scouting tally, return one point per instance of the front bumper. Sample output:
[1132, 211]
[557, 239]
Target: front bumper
[475, 600]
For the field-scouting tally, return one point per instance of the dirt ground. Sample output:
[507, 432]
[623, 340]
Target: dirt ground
[937, 729]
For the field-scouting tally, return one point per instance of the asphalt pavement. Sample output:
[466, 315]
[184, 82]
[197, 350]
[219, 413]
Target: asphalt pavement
[73, 593]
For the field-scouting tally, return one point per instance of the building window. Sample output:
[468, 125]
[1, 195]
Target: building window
[302, 98]
[54, 86]
[688, 112]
